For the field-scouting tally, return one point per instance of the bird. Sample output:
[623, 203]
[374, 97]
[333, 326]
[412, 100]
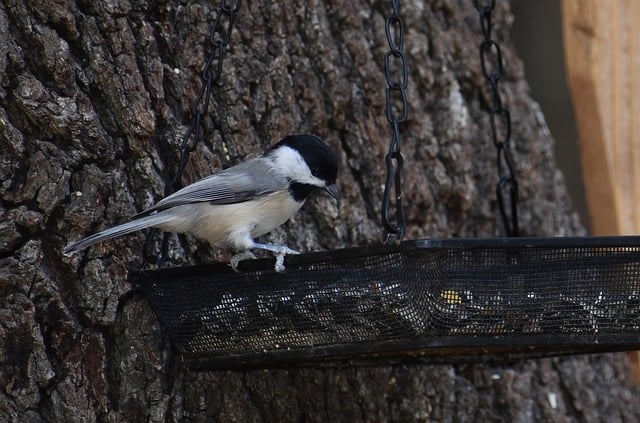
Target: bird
[231, 208]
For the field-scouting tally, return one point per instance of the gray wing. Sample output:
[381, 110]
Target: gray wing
[243, 182]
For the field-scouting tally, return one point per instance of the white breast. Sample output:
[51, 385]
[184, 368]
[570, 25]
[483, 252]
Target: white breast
[235, 225]
[273, 210]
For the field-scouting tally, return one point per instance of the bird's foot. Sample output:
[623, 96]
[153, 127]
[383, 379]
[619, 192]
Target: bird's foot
[281, 251]
[236, 259]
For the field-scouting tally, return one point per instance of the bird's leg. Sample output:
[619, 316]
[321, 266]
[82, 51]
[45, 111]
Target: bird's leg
[280, 250]
[236, 259]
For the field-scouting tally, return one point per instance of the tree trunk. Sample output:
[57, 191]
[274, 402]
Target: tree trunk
[95, 98]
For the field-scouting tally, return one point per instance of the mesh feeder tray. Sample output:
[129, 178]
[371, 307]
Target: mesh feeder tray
[427, 300]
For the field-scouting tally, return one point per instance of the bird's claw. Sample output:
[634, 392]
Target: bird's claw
[279, 266]
[236, 259]
[279, 250]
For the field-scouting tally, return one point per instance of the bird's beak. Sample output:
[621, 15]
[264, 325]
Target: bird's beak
[334, 192]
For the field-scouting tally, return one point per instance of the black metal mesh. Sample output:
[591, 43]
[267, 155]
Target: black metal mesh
[452, 296]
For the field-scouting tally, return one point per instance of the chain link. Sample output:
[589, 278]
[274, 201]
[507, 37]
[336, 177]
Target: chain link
[395, 64]
[499, 121]
[219, 38]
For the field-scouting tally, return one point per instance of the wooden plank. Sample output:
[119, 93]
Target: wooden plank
[602, 53]
[603, 65]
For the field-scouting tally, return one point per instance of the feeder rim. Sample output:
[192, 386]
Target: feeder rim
[299, 260]
[443, 349]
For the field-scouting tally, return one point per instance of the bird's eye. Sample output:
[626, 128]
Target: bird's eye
[315, 171]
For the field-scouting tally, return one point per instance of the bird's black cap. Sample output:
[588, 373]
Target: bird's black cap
[316, 153]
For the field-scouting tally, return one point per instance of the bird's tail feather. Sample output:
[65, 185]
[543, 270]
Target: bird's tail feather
[123, 229]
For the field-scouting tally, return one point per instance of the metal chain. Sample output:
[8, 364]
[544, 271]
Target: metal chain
[500, 121]
[219, 38]
[397, 111]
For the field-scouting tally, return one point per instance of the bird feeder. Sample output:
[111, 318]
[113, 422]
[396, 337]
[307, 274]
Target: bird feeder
[426, 300]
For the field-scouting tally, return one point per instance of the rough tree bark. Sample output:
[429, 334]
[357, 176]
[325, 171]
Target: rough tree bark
[94, 99]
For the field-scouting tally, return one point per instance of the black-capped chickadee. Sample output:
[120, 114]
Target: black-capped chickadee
[238, 204]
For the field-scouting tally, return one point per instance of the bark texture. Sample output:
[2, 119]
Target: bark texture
[94, 100]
